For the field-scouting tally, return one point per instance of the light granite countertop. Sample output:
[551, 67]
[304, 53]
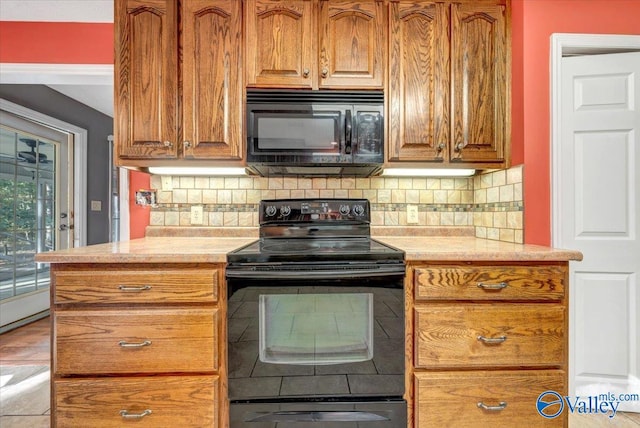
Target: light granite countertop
[464, 248]
[215, 249]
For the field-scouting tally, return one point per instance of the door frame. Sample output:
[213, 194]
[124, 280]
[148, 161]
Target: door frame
[79, 164]
[563, 44]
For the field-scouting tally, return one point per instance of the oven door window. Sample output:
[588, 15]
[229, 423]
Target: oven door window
[316, 328]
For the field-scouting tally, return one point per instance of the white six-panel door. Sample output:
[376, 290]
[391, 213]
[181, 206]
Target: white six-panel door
[599, 215]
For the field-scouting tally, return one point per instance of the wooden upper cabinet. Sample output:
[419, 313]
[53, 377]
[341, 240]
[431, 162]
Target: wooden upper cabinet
[178, 98]
[351, 43]
[448, 83]
[146, 78]
[280, 37]
[418, 87]
[479, 52]
[211, 79]
[311, 44]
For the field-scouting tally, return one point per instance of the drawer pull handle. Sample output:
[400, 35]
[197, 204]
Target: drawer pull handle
[125, 344]
[492, 340]
[126, 415]
[498, 286]
[500, 407]
[133, 289]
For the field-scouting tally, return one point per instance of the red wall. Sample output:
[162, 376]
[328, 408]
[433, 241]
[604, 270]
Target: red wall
[541, 18]
[56, 42]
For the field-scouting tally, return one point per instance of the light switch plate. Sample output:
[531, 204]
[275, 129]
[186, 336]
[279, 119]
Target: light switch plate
[197, 215]
[96, 205]
[167, 182]
[412, 214]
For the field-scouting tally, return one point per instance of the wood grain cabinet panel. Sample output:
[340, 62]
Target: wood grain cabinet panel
[418, 87]
[136, 286]
[351, 43]
[479, 52]
[448, 83]
[136, 341]
[161, 401]
[280, 40]
[179, 86]
[457, 336]
[315, 44]
[146, 79]
[490, 282]
[451, 399]
[212, 84]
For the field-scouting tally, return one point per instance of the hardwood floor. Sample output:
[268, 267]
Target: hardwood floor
[25, 360]
[25, 376]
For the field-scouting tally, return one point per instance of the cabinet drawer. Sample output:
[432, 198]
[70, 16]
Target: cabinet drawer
[452, 335]
[174, 401]
[450, 399]
[136, 286]
[135, 341]
[503, 282]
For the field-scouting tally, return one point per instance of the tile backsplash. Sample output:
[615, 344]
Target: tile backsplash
[490, 202]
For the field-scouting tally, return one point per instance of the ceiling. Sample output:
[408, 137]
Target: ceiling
[82, 88]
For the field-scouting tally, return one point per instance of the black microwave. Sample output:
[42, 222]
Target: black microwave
[315, 133]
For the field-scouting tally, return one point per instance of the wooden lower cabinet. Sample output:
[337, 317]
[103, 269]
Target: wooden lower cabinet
[488, 339]
[162, 401]
[138, 344]
[455, 398]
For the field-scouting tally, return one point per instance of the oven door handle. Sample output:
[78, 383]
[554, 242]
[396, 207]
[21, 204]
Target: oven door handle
[314, 274]
[318, 416]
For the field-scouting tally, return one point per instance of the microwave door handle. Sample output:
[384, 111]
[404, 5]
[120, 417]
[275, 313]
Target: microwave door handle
[347, 132]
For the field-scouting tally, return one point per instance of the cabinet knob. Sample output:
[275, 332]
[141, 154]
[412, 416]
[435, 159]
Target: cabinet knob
[305, 73]
[168, 143]
[460, 146]
[186, 144]
[325, 72]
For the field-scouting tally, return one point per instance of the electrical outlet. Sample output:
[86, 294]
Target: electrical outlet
[96, 205]
[412, 214]
[197, 215]
[167, 182]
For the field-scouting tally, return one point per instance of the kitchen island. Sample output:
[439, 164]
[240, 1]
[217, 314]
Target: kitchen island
[139, 331]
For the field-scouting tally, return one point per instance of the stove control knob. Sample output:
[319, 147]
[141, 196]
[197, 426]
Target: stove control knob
[285, 210]
[358, 210]
[270, 211]
[344, 209]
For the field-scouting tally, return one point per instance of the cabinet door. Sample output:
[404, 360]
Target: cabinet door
[212, 79]
[418, 88]
[351, 43]
[480, 74]
[146, 79]
[280, 43]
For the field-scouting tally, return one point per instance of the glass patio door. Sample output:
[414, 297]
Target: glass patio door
[36, 179]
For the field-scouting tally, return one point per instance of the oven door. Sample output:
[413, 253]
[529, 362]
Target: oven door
[314, 350]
